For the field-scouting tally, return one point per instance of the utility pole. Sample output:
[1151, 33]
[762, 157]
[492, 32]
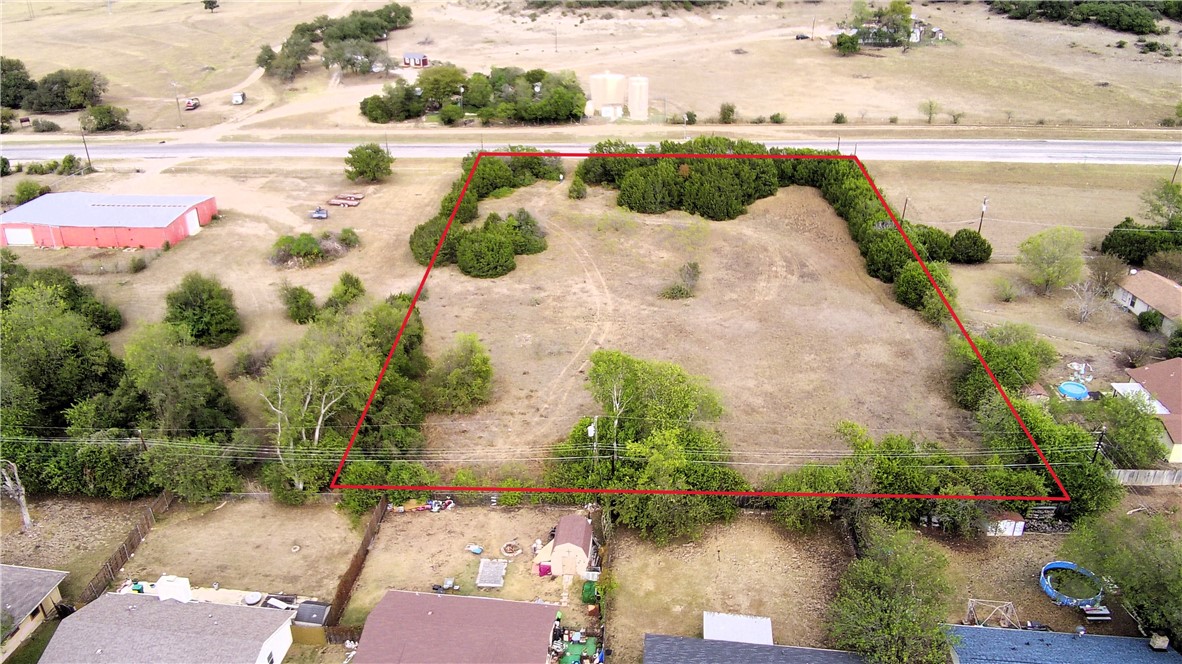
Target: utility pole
[595, 439]
[905, 202]
[1176, 170]
[82, 126]
[984, 206]
[615, 444]
[813, 31]
[176, 94]
[839, 143]
[1099, 443]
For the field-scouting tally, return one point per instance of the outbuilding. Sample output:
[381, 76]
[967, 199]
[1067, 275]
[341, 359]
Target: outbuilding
[81, 219]
[415, 60]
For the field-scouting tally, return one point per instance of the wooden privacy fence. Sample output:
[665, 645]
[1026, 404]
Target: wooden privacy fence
[1148, 477]
[106, 574]
[349, 579]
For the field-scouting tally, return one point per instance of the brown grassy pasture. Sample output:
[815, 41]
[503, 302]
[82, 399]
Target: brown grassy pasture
[748, 567]
[247, 545]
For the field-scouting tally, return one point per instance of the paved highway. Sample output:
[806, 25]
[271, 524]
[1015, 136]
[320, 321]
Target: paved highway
[983, 150]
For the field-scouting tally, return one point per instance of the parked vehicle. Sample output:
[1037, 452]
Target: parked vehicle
[802, 36]
[238, 98]
[344, 202]
[192, 103]
[319, 213]
[351, 196]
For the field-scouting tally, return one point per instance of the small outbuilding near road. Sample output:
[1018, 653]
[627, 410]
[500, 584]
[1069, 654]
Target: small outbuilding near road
[81, 219]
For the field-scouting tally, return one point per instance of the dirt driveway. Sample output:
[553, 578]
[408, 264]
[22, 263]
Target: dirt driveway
[250, 545]
[415, 550]
[749, 567]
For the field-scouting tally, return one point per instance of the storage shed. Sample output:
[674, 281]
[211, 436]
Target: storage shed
[81, 219]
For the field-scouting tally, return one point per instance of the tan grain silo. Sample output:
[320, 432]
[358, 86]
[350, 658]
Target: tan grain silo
[638, 98]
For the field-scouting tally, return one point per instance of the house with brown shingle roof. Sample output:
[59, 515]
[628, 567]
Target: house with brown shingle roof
[427, 628]
[1163, 382]
[1143, 291]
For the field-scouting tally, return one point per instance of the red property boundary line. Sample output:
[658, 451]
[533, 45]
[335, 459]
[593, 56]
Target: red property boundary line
[414, 301]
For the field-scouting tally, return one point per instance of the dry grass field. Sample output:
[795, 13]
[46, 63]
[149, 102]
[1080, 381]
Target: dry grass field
[248, 545]
[748, 567]
[415, 550]
[75, 535]
[994, 70]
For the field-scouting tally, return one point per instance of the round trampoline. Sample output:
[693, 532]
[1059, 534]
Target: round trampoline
[1059, 598]
[1073, 390]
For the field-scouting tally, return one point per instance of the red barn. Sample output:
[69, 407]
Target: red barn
[80, 219]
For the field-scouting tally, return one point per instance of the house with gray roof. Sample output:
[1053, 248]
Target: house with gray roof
[143, 629]
[661, 649]
[996, 645]
[27, 595]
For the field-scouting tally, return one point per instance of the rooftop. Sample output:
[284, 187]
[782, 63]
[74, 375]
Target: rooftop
[1164, 381]
[23, 588]
[141, 628]
[88, 210]
[734, 627]
[574, 529]
[661, 649]
[426, 628]
[1156, 291]
[995, 645]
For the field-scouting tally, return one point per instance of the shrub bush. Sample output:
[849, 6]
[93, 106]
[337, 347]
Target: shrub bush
[839, 118]
[1150, 321]
[347, 289]
[912, 285]
[26, 190]
[42, 126]
[299, 303]
[968, 246]
[348, 237]
[450, 114]
[206, 308]
[485, 254]
[137, 264]
[462, 378]
[777, 118]
[578, 188]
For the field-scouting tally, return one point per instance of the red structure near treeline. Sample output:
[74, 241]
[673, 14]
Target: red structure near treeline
[80, 219]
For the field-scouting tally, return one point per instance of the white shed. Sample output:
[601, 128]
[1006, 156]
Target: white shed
[1006, 524]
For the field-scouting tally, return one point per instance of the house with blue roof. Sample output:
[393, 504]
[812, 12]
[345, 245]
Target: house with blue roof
[997, 645]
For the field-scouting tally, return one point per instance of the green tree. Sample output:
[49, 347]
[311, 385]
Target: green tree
[1133, 432]
[197, 469]
[51, 354]
[362, 472]
[15, 83]
[1166, 263]
[347, 289]
[79, 298]
[311, 387]
[1014, 353]
[105, 117]
[726, 113]
[804, 513]
[204, 307]
[1142, 555]
[441, 83]
[1053, 258]
[478, 92]
[26, 190]
[1163, 204]
[461, 379]
[912, 287]
[182, 389]
[847, 44]
[929, 109]
[891, 602]
[368, 162]
[266, 56]
[210, 5]
[357, 56]
[66, 90]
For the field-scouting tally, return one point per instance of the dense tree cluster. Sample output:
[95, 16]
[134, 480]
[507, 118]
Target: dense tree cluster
[205, 308]
[723, 188]
[348, 42]
[653, 435]
[62, 90]
[488, 253]
[1139, 18]
[1135, 243]
[888, 25]
[505, 94]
